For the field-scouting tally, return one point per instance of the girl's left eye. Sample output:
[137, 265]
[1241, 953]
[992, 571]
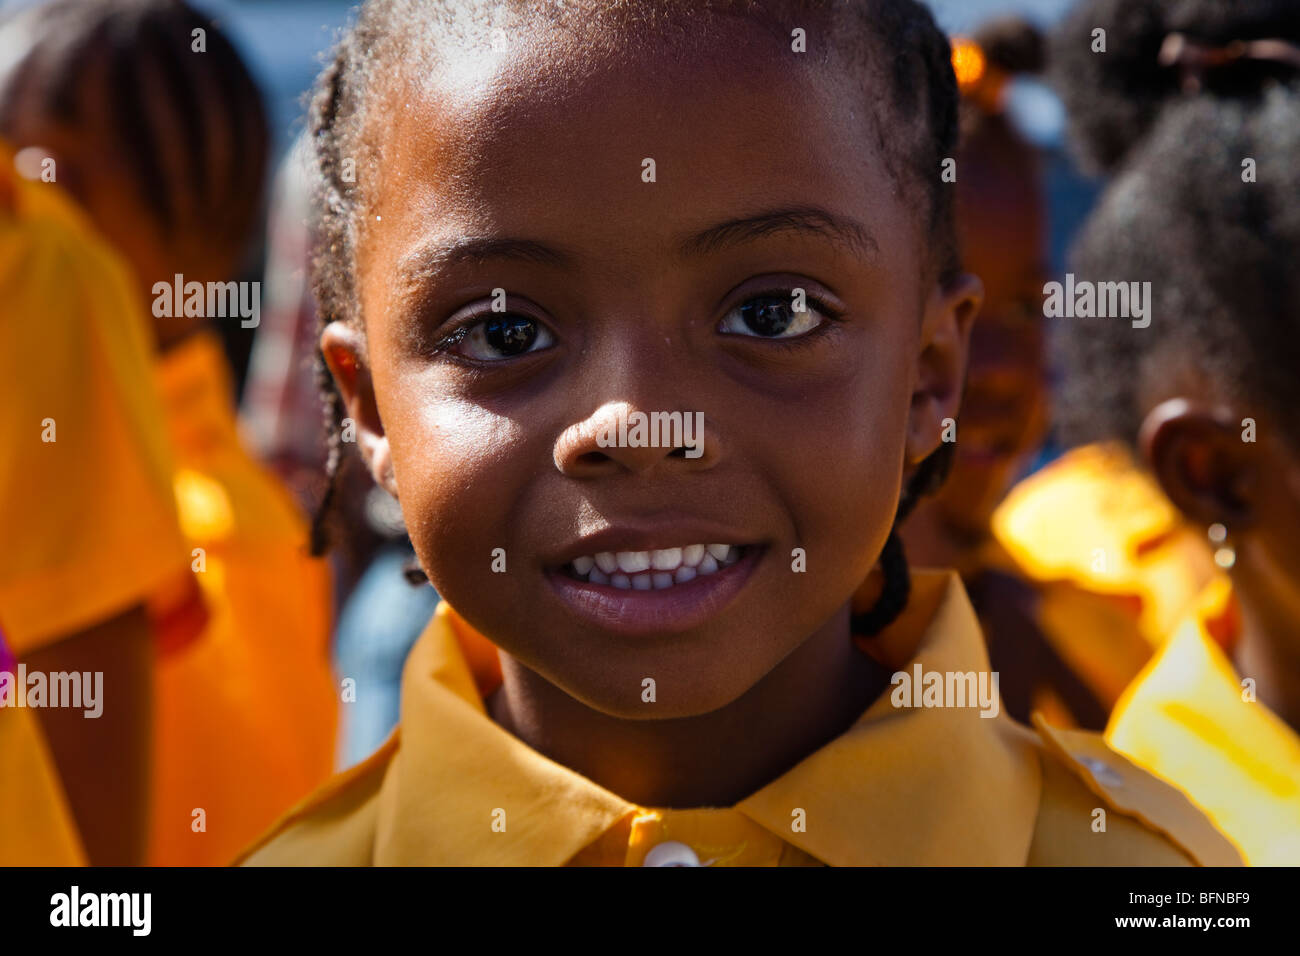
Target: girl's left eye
[502, 336]
[773, 315]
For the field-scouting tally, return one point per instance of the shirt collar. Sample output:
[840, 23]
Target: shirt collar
[902, 786]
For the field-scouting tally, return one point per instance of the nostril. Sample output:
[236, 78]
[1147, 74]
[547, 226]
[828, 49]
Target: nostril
[592, 458]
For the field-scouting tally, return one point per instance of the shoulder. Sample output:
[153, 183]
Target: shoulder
[335, 826]
[1099, 809]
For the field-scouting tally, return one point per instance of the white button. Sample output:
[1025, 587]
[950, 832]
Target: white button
[671, 853]
[1103, 774]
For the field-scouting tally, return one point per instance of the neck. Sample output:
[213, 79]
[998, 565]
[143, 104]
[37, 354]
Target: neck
[715, 759]
[1268, 648]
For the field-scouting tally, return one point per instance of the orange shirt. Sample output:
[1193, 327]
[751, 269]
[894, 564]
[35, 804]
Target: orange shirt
[85, 491]
[246, 715]
[86, 506]
[914, 786]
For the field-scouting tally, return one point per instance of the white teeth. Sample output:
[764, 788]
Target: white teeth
[630, 562]
[666, 560]
[656, 569]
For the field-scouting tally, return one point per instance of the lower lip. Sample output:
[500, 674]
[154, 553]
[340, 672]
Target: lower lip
[678, 608]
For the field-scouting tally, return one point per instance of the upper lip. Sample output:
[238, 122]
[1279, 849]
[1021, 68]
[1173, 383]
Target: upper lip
[648, 535]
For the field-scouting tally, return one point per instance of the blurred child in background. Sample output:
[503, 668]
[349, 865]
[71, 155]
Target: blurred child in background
[1001, 217]
[1082, 569]
[159, 131]
[1196, 108]
[382, 612]
[93, 555]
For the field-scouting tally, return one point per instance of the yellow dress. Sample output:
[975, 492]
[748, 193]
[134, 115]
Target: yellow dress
[913, 786]
[246, 715]
[1189, 719]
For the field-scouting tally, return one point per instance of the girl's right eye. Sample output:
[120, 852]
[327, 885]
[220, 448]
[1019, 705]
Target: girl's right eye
[503, 336]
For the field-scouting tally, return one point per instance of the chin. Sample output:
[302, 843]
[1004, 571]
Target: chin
[676, 698]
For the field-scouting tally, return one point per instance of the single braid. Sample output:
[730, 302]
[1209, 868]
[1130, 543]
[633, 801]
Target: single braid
[927, 479]
[332, 409]
[895, 593]
[329, 279]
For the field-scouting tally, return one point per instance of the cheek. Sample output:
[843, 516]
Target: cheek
[839, 467]
[460, 472]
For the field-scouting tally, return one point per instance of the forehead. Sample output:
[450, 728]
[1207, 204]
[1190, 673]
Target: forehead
[558, 136]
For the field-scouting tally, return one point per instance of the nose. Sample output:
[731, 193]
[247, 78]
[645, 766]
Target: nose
[619, 436]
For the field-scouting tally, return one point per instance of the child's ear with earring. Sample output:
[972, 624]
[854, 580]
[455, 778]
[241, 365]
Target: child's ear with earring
[1198, 457]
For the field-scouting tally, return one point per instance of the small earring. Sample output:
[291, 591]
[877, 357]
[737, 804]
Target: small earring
[1224, 554]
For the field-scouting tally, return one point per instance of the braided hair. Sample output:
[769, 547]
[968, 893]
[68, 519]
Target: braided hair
[894, 44]
[113, 57]
[1218, 249]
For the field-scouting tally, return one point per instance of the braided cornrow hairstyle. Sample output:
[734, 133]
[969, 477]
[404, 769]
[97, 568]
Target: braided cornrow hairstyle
[895, 44]
[112, 56]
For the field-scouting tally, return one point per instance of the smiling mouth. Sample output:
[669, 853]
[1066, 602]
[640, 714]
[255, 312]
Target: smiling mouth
[658, 591]
[656, 570]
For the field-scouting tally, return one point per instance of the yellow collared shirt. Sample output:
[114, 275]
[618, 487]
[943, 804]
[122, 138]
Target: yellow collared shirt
[900, 787]
[1188, 719]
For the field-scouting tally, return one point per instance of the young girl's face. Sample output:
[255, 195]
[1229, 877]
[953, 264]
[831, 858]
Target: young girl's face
[648, 220]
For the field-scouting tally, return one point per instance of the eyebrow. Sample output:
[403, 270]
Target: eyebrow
[811, 220]
[477, 250]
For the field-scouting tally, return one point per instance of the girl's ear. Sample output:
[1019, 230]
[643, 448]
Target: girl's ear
[343, 346]
[1201, 463]
[941, 365]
